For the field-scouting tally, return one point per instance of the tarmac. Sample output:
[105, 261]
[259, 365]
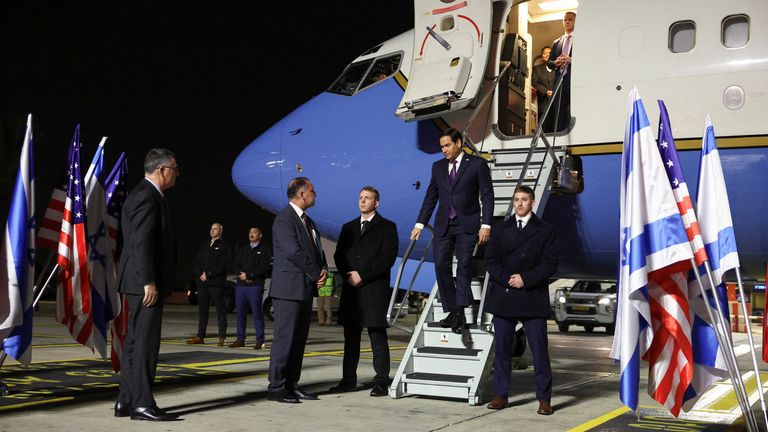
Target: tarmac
[69, 388]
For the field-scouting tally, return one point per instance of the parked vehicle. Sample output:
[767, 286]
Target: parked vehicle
[588, 303]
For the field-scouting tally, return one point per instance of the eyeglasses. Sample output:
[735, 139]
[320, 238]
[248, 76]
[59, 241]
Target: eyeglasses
[175, 168]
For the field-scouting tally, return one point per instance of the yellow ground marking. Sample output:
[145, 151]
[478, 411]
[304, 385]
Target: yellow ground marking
[600, 420]
[728, 402]
[29, 404]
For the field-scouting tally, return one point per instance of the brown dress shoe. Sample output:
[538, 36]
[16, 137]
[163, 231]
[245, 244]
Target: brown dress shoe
[258, 346]
[237, 344]
[545, 408]
[222, 341]
[195, 341]
[497, 403]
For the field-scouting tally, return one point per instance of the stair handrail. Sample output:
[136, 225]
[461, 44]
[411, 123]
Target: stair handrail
[392, 320]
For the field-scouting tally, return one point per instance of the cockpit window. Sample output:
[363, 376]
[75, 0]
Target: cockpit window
[348, 81]
[382, 69]
[367, 72]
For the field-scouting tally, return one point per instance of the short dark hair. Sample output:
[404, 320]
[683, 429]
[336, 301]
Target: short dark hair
[546, 47]
[526, 190]
[453, 134]
[157, 157]
[372, 190]
[256, 228]
[297, 185]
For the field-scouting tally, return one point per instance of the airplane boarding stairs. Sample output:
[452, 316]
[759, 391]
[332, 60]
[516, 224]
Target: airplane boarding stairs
[438, 362]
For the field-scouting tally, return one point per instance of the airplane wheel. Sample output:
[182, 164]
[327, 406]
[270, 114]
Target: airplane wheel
[610, 329]
[563, 327]
[589, 329]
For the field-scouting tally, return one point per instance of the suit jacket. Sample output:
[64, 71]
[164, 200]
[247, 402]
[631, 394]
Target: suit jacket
[543, 80]
[149, 243]
[532, 253]
[296, 268]
[473, 183]
[557, 49]
[213, 259]
[372, 254]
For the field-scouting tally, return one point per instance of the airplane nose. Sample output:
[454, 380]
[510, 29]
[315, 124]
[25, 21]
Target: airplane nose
[256, 171]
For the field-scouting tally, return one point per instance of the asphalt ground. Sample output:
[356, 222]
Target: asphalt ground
[68, 388]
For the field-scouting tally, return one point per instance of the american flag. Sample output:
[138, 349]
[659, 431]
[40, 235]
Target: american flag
[50, 226]
[708, 361]
[116, 191]
[652, 320]
[73, 296]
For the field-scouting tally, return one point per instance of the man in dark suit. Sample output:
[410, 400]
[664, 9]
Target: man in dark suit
[459, 183]
[562, 50]
[145, 276]
[210, 272]
[542, 79]
[299, 269]
[365, 254]
[520, 258]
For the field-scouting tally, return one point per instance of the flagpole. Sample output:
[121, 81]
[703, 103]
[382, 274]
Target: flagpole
[723, 336]
[54, 270]
[752, 347]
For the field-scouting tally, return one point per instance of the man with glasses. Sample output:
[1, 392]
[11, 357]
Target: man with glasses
[145, 276]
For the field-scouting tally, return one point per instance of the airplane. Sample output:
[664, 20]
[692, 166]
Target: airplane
[378, 123]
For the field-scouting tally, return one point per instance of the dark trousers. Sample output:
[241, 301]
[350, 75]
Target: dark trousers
[290, 337]
[140, 353]
[380, 348]
[458, 294]
[536, 333]
[249, 296]
[204, 296]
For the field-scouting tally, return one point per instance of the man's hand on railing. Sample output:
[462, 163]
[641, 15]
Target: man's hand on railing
[415, 233]
[483, 236]
[354, 278]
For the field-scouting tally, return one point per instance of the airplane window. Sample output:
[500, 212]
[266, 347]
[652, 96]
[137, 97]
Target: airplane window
[348, 81]
[735, 31]
[384, 68]
[682, 36]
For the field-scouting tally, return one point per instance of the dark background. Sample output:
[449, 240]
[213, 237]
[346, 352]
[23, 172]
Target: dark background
[201, 79]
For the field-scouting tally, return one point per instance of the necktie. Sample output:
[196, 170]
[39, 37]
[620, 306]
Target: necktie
[364, 227]
[312, 243]
[452, 179]
[519, 224]
[566, 51]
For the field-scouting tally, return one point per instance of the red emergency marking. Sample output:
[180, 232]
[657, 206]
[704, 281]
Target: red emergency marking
[424, 42]
[448, 9]
[473, 23]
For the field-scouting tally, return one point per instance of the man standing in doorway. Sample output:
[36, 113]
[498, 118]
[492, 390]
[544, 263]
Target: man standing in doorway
[460, 182]
[562, 51]
[542, 79]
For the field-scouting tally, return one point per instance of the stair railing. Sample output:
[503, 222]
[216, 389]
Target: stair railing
[392, 320]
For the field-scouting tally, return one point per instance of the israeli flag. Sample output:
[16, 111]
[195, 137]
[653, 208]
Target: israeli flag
[17, 260]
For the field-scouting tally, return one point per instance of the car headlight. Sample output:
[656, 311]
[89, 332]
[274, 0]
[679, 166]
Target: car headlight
[561, 299]
[604, 301]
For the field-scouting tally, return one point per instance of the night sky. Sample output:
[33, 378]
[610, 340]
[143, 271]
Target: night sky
[201, 79]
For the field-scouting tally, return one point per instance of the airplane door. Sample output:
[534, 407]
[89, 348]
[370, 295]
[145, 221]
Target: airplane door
[450, 50]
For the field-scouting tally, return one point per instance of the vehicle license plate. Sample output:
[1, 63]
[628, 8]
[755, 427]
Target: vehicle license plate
[580, 308]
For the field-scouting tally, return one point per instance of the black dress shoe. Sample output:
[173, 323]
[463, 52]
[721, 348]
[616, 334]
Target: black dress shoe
[459, 323]
[379, 390]
[343, 387]
[447, 322]
[282, 396]
[122, 410]
[301, 394]
[152, 414]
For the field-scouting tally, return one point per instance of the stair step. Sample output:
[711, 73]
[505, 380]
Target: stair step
[448, 352]
[436, 378]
